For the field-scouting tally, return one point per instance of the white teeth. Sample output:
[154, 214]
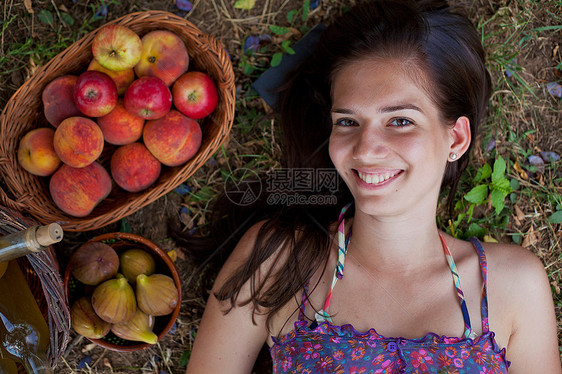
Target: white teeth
[375, 178]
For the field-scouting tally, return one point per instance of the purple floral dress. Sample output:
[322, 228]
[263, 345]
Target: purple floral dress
[324, 347]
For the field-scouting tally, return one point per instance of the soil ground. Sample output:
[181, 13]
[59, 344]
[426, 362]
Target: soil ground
[527, 122]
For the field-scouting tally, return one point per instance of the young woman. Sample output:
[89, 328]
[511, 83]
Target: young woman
[397, 90]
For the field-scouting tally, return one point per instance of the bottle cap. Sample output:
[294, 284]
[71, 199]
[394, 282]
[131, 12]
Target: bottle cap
[49, 234]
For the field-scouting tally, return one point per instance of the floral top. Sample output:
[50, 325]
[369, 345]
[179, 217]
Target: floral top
[324, 347]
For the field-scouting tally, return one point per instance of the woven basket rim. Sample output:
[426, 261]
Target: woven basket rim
[27, 193]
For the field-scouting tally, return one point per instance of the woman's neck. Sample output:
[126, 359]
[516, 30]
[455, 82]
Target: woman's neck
[405, 243]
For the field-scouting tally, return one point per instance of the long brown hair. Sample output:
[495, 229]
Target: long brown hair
[443, 44]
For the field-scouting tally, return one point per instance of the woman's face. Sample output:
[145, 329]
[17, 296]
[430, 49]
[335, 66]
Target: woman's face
[387, 141]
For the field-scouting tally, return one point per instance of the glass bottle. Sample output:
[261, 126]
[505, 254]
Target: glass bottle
[24, 334]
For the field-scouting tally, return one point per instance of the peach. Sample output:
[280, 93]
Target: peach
[36, 152]
[121, 127]
[172, 139]
[77, 191]
[163, 55]
[78, 141]
[122, 78]
[58, 102]
[134, 168]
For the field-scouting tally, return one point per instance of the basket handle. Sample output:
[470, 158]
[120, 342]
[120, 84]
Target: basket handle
[9, 203]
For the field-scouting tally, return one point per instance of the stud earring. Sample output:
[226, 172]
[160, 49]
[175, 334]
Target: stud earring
[453, 156]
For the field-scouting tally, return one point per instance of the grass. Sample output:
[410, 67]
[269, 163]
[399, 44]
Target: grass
[523, 118]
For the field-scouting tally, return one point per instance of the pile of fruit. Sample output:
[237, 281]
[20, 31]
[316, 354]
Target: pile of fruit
[138, 95]
[127, 295]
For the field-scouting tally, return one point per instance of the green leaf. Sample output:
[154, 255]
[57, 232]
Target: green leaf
[291, 16]
[499, 169]
[486, 171]
[516, 237]
[514, 183]
[276, 59]
[46, 17]
[556, 217]
[503, 186]
[67, 18]
[305, 10]
[248, 68]
[498, 200]
[478, 194]
[475, 230]
[125, 226]
[278, 30]
[184, 358]
[286, 45]
[245, 4]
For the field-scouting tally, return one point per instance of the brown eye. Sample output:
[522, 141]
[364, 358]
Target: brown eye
[401, 122]
[345, 122]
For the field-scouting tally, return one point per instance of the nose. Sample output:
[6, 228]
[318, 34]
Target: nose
[370, 143]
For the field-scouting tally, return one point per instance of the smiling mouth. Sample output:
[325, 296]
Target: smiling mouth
[377, 178]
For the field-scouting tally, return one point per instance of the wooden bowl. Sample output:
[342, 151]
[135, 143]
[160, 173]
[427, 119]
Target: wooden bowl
[121, 241]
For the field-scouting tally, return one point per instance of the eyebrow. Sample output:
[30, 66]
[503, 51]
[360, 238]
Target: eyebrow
[387, 109]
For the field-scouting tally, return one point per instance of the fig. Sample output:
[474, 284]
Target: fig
[134, 262]
[85, 321]
[157, 294]
[93, 263]
[137, 328]
[114, 300]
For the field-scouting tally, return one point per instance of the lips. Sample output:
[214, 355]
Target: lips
[378, 177]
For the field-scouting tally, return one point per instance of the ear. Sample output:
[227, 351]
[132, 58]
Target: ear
[460, 136]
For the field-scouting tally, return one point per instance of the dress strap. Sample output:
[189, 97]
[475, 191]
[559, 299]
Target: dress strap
[468, 332]
[304, 300]
[484, 267]
[343, 241]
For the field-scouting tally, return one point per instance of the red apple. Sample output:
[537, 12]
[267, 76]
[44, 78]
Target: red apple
[95, 93]
[117, 47]
[148, 98]
[172, 139]
[163, 55]
[58, 102]
[122, 78]
[195, 94]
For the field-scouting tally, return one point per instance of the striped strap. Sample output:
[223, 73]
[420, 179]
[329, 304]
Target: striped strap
[322, 315]
[468, 332]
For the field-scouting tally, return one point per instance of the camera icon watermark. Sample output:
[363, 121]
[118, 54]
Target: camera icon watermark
[243, 187]
[288, 186]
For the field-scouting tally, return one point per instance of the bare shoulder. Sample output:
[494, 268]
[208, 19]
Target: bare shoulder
[514, 264]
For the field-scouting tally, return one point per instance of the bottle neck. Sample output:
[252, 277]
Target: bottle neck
[37, 363]
[32, 240]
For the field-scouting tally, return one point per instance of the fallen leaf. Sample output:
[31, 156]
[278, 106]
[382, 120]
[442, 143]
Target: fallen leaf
[28, 6]
[519, 213]
[184, 5]
[554, 89]
[88, 347]
[530, 238]
[520, 170]
[173, 255]
[106, 363]
[63, 8]
[245, 4]
[489, 239]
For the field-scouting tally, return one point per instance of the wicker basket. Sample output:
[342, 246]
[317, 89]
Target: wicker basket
[42, 274]
[23, 112]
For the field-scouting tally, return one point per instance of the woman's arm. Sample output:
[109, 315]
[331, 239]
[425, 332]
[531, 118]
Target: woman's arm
[229, 343]
[533, 344]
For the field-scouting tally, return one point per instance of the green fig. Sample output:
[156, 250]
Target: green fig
[157, 294]
[93, 263]
[134, 262]
[114, 300]
[137, 328]
[85, 321]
